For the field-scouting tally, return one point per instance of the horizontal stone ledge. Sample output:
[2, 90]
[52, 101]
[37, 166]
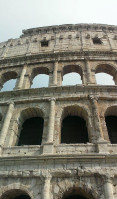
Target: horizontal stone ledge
[67, 93]
[61, 56]
[45, 173]
[59, 157]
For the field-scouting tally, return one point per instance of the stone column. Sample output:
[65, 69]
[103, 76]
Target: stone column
[51, 120]
[55, 73]
[96, 117]
[1, 86]
[6, 123]
[90, 76]
[88, 71]
[46, 188]
[48, 147]
[115, 78]
[59, 78]
[27, 81]
[108, 189]
[21, 79]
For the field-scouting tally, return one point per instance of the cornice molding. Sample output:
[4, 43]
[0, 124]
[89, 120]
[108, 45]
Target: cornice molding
[81, 55]
[68, 27]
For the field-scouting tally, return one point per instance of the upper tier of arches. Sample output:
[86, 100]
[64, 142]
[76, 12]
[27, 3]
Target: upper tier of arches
[58, 74]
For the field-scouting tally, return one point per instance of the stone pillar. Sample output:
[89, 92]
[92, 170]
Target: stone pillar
[46, 188]
[1, 86]
[96, 117]
[50, 79]
[108, 189]
[55, 73]
[115, 78]
[26, 82]
[48, 147]
[51, 120]
[90, 77]
[6, 123]
[88, 71]
[59, 78]
[21, 79]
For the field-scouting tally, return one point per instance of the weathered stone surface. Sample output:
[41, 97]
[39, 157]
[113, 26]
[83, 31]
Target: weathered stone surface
[55, 170]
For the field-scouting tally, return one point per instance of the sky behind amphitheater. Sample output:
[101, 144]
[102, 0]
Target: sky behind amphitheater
[16, 15]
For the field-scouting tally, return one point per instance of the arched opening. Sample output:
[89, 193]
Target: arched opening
[105, 75]
[72, 75]
[31, 124]
[31, 133]
[22, 197]
[74, 127]
[8, 81]
[75, 196]
[111, 123]
[40, 77]
[15, 194]
[74, 130]
[71, 79]
[104, 79]
[78, 193]
[40, 81]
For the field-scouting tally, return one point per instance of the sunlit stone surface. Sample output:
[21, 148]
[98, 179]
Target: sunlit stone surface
[58, 134]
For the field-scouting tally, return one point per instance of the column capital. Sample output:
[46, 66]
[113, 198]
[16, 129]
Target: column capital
[107, 178]
[52, 99]
[93, 97]
[10, 102]
[45, 175]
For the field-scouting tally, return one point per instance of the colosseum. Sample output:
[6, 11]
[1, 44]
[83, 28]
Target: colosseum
[59, 141]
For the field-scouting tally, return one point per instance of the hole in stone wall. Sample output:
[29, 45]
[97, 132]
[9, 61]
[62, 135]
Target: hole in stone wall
[31, 133]
[74, 130]
[97, 40]
[71, 79]
[40, 81]
[104, 79]
[111, 123]
[44, 43]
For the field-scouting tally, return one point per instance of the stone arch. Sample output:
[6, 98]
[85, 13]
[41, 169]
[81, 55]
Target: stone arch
[30, 114]
[75, 110]
[39, 71]
[111, 120]
[111, 110]
[14, 189]
[78, 187]
[19, 116]
[72, 69]
[6, 76]
[107, 69]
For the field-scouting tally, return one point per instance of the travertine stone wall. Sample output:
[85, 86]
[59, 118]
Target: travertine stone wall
[55, 170]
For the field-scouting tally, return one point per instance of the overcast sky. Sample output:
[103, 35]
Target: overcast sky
[16, 15]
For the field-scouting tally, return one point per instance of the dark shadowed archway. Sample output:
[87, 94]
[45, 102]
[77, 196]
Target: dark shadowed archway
[31, 133]
[74, 130]
[75, 196]
[22, 197]
[111, 123]
[15, 194]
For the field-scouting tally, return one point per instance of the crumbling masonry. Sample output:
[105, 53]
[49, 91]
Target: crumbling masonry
[50, 163]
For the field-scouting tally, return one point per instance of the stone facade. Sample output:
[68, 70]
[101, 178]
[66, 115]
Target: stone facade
[54, 170]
